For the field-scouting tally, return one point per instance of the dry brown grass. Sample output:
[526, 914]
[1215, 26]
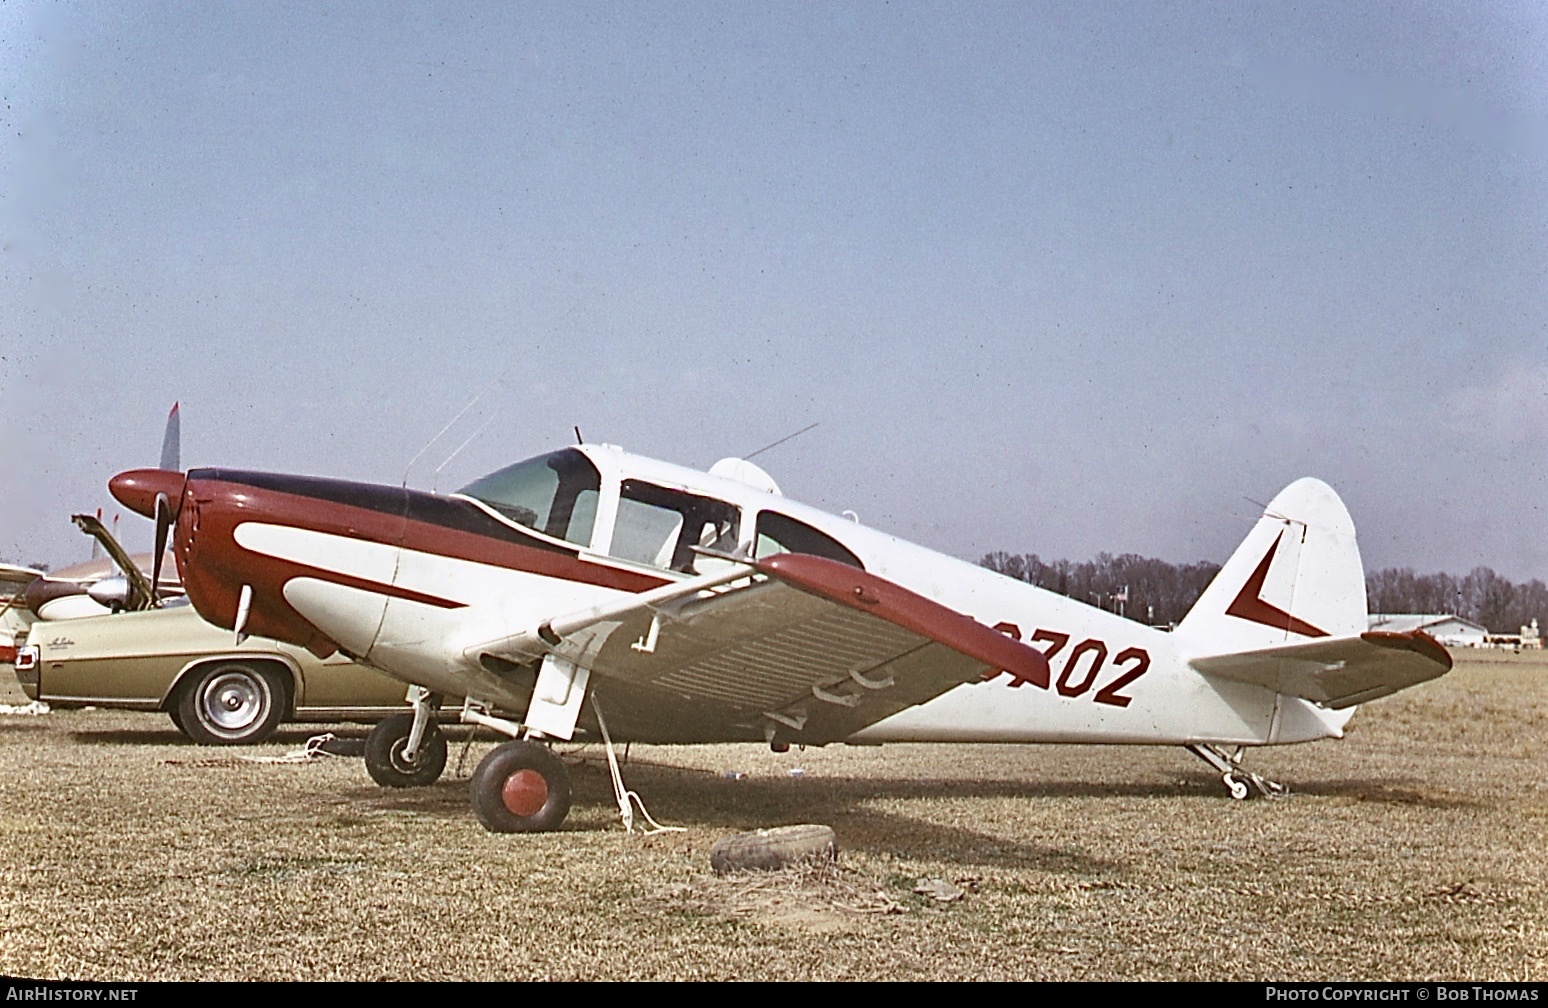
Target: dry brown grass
[1411, 850]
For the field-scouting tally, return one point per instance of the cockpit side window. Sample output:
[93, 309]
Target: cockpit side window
[779, 533]
[556, 494]
[660, 527]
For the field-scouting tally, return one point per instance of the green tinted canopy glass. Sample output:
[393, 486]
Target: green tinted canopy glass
[556, 494]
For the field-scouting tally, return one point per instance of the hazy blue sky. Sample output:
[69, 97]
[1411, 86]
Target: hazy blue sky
[1053, 278]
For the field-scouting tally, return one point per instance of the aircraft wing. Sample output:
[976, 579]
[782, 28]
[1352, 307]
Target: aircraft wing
[13, 578]
[1336, 672]
[794, 648]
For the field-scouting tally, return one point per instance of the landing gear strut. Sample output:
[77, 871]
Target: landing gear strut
[1240, 783]
[522, 787]
[408, 750]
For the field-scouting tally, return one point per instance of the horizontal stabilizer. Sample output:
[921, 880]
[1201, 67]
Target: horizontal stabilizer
[1338, 672]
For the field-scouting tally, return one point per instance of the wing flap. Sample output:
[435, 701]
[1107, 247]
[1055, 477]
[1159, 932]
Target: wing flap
[864, 592]
[1338, 672]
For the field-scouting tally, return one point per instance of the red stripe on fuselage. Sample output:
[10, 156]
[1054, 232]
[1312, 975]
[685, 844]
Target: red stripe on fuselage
[214, 566]
[301, 570]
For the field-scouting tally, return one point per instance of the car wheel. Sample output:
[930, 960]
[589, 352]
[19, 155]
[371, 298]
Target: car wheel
[384, 754]
[521, 787]
[230, 703]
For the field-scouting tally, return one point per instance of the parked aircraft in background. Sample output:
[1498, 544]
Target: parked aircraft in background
[97, 587]
[592, 593]
[100, 585]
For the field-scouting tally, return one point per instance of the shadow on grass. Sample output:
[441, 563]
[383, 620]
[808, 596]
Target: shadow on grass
[139, 736]
[711, 788]
[447, 799]
[707, 798]
[1387, 792]
[294, 735]
[687, 798]
[703, 800]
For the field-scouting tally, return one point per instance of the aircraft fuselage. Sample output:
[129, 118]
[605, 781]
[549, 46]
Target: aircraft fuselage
[409, 582]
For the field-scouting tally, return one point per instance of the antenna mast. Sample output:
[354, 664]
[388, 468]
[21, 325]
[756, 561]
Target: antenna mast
[782, 440]
[448, 427]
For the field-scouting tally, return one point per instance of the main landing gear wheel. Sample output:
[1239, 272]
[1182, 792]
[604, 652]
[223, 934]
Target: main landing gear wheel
[521, 787]
[1237, 787]
[230, 703]
[387, 761]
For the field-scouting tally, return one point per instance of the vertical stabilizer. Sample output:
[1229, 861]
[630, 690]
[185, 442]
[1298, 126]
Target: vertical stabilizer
[1297, 577]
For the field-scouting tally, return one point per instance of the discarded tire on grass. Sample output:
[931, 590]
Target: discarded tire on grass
[773, 849]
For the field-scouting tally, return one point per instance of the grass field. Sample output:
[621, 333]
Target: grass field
[1413, 849]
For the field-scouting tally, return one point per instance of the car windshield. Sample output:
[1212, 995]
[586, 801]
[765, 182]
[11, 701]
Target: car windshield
[555, 494]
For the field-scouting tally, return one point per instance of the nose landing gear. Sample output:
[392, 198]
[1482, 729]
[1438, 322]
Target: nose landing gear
[408, 750]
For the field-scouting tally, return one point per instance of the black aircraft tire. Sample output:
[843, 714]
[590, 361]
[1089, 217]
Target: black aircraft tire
[773, 849]
[230, 703]
[384, 754]
[521, 787]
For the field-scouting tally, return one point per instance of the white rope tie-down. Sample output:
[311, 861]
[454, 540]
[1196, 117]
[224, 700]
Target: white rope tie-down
[627, 800]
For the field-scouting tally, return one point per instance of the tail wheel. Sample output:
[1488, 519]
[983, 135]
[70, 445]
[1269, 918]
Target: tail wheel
[230, 703]
[521, 787]
[386, 754]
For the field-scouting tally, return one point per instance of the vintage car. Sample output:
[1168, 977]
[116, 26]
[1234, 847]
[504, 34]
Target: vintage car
[216, 691]
[102, 639]
[15, 616]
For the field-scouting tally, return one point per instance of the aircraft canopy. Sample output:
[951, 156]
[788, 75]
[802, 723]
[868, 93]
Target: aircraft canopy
[556, 494]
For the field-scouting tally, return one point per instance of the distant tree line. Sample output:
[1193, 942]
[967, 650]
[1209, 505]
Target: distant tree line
[1161, 593]
[1482, 596]
[1156, 592]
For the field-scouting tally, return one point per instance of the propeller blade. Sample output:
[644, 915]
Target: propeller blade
[172, 442]
[164, 519]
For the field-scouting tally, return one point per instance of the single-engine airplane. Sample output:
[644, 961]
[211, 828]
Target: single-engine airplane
[590, 593]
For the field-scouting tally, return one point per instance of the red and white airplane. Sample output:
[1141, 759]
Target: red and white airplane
[594, 594]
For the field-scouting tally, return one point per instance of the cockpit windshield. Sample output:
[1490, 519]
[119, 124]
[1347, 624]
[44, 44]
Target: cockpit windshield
[556, 494]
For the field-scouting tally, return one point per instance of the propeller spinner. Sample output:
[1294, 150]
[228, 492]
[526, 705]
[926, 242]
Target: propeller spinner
[152, 492]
